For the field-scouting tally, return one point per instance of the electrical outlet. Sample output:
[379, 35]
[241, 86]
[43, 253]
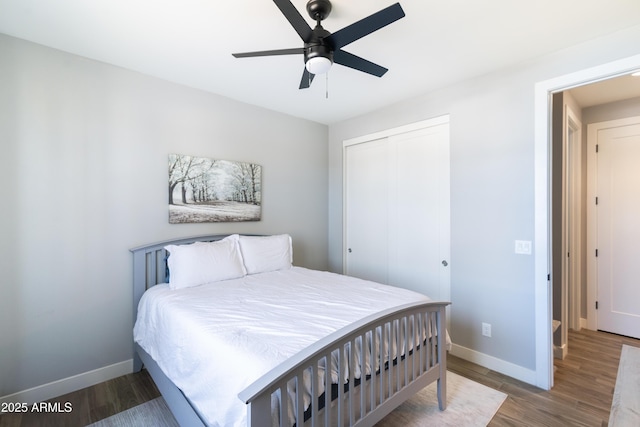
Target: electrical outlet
[486, 329]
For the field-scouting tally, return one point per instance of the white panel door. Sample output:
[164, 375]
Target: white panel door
[618, 229]
[397, 209]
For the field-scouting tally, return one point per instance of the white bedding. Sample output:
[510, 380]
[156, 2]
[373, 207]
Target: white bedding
[214, 340]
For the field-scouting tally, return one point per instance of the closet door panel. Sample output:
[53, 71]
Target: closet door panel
[417, 218]
[366, 200]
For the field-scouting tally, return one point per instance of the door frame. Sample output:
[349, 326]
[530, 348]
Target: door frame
[542, 202]
[571, 229]
[573, 217]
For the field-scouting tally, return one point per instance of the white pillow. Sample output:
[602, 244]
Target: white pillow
[266, 253]
[204, 262]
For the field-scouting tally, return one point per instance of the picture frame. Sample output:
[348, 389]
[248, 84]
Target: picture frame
[202, 189]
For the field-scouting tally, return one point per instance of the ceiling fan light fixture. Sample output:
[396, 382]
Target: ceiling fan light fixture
[318, 65]
[321, 47]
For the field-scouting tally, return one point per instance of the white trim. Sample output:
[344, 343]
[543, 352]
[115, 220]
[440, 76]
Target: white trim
[70, 384]
[542, 291]
[507, 368]
[560, 352]
[440, 120]
[583, 323]
[574, 206]
[543, 301]
[592, 291]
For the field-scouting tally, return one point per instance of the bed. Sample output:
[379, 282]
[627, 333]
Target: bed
[233, 334]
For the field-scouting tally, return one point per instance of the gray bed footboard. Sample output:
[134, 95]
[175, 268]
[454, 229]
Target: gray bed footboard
[399, 351]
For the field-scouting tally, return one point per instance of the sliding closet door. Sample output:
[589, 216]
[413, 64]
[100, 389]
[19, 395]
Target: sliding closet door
[419, 229]
[366, 171]
[397, 208]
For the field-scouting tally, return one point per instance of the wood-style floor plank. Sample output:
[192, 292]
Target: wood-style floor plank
[583, 385]
[583, 389]
[91, 404]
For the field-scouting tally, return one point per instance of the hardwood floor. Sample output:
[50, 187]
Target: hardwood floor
[583, 385]
[90, 404]
[581, 396]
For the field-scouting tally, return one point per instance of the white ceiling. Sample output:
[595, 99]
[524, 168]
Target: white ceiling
[190, 42]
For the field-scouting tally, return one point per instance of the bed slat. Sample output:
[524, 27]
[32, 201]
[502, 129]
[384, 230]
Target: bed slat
[406, 344]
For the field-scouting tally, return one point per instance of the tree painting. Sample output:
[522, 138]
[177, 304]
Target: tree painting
[209, 190]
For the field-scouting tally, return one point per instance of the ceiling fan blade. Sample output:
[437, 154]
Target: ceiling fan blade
[352, 61]
[294, 51]
[306, 80]
[365, 26]
[295, 19]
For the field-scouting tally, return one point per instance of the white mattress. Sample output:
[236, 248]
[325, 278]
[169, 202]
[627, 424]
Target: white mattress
[214, 340]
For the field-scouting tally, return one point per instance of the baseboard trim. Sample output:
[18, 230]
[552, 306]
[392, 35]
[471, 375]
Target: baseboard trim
[507, 368]
[560, 351]
[583, 323]
[70, 384]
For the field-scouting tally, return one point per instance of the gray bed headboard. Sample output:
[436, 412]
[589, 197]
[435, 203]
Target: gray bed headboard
[150, 263]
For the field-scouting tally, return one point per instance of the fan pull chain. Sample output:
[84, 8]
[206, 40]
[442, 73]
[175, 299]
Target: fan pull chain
[326, 85]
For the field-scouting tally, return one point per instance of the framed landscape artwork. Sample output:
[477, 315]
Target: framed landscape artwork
[211, 190]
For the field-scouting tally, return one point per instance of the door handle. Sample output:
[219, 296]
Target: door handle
[349, 250]
[444, 262]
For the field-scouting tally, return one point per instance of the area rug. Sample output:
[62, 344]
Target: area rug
[154, 413]
[469, 404]
[625, 408]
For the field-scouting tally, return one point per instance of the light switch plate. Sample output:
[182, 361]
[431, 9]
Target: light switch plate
[523, 247]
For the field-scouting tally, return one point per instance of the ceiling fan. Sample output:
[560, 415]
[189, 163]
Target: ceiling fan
[322, 48]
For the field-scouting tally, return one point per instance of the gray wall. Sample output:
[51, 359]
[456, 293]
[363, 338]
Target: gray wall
[492, 191]
[83, 178]
[610, 111]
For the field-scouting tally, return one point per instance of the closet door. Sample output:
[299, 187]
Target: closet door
[366, 172]
[397, 208]
[419, 228]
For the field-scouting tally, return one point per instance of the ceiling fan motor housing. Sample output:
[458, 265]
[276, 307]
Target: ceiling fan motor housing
[317, 51]
[317, 46]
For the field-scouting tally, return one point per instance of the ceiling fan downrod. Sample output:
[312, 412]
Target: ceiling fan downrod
[318, 10]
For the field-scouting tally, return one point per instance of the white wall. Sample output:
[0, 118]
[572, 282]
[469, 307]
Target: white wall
[492, 194]
[83, 178]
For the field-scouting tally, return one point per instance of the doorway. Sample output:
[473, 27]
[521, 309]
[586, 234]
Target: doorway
[543, 222]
